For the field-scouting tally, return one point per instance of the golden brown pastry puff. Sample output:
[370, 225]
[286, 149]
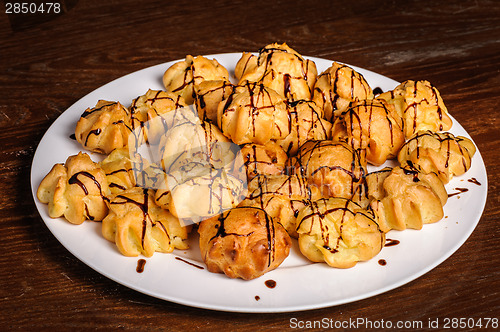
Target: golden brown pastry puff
[124, 171]
[254, 114]
[420, 105]
[334, 167]
[153, 113]
[410, 199]
[373, 128]
[183, 76]
[162, 198]
[119, 170]
[77, 190]
[263, 159]
[307, 123]
[280, 68]
[339, 232]
[243, 243]
[191, 139]
[104, 127]
[441, 153]
[209, 94]
[138, 226]
[281, 196]
[375, 183]
[337, 87]
[199, 192]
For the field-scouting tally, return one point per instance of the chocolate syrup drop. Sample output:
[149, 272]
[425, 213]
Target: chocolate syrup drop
[140, 265]
[270, 283]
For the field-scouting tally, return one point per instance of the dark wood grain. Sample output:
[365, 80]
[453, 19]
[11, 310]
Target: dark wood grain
[48, 63]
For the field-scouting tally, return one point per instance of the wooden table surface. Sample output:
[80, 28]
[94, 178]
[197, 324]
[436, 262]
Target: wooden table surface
[49, 61]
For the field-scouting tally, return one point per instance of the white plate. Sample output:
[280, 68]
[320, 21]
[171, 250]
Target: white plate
[300, 285]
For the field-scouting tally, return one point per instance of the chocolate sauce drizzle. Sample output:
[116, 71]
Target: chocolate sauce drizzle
[144, 206]
[89, 111]
[99, 131]
[414, 106]
[356, 171]
[140, 116]
[74, 180]
[459, 191]
[447, 139]
[200, 97]
[253, 162]
[258, 93]
[188, 72]
[116, 185]
[352, 116]
[332, 95]
[95, 132]
[189, 263]
[286, 82]
[293, 188]
[410, 169]
[269, 224]
[265, 58]
[474, 180]
[391, 243]
[313, 118]
[317, 212]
